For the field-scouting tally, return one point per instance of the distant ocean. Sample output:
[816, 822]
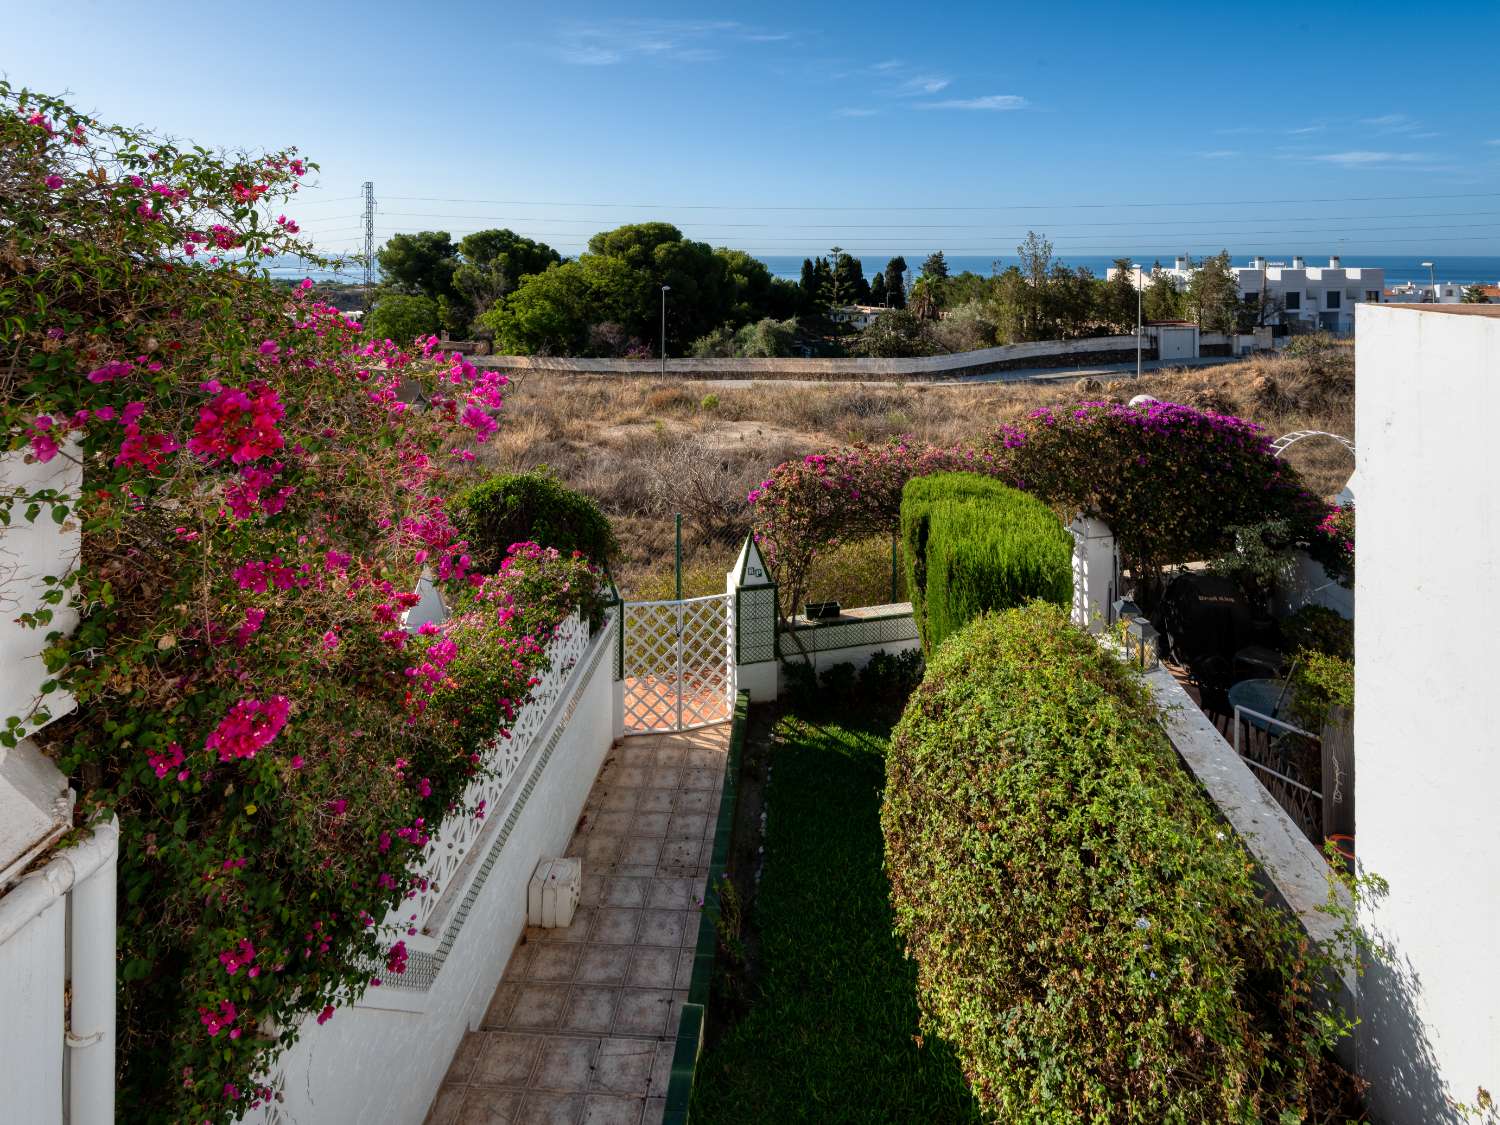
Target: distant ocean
[1398, 268]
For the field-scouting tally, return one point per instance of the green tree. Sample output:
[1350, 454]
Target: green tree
[766, 338]
[1213, 294]
[896, 334]
[822, 282]
[809, 282]
[1036, 264]
[935, 265]
[1009, 305]
[1475, 295]
[877, 290]
[923, 302]
[401, 317]
[1071, 301]
[421, 263]
[493, 263]
[1163, 300]
[895, 284]
[849, 280]
[1117, 303]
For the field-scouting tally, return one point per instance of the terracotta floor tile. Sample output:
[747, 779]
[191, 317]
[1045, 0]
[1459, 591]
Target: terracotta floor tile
[542, 1108]
[553, 961]
[653, 968]
[565, 1064]
[615, 926]
[490, 1107]
[590, 1008]
[538, 1006]
[620, 891]
[624, 1066]
[643, 1011]
[611, 1109]
[603, 964]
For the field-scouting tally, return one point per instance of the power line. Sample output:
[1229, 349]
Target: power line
[946, 207]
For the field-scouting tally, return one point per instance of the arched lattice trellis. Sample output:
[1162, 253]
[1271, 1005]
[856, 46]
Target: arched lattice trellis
[1286, 441]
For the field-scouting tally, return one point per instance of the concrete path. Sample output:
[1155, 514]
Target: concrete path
[1017, 375]
[583, 1025]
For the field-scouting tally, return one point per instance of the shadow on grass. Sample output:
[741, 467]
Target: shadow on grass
[831, 1034]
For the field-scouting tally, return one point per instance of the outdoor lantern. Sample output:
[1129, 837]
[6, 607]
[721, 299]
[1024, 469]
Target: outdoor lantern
[1141, 640]
[1124, 609]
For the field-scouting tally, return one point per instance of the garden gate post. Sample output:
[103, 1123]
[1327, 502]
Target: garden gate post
[1096, 571]
[752, 624]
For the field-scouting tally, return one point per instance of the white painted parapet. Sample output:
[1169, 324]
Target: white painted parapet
[1425, 735]
[1096, 569]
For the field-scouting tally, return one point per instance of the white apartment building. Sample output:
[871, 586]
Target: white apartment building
[1318, 296]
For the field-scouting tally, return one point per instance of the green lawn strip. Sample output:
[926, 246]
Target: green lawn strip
[832, 1035]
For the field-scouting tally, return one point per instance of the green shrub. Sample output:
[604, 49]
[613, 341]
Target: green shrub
[1088, 937]
[516, 507]
[890, 678]
[1318, 629]
[1320, 681]
[974, 544]
[401, 318]
[709, 402]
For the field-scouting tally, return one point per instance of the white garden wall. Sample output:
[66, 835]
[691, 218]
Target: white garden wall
[382, 1059]
[1425, 733]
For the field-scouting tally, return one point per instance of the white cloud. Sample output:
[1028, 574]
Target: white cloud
[1361, 158]
[922, 84]
[1219, 153]
[1304, 130]
[988, 101]
[617, 41]
[855, 111]
[1393, 123]
[889, 64]
[1496, 141]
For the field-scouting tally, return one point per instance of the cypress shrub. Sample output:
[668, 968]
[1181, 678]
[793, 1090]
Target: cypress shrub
[974, 544]
[1090, 940]
[515, 507]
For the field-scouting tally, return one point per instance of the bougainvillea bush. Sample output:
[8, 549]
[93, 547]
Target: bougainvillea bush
[810, 506]
[258, 505]
[1171, 482]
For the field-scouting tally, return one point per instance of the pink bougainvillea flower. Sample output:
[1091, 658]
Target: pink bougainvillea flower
[239, 425]
[54, 181]
[330, 641]
[249, 728]
[326, 1014]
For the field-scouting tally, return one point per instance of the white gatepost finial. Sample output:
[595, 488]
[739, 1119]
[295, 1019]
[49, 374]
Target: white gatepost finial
[752, 623]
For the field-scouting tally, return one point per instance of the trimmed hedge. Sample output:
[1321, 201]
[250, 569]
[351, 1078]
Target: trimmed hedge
[519, 507]
[1089, 938]
[974, 544]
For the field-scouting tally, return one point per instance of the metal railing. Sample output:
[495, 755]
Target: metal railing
[1302, 800]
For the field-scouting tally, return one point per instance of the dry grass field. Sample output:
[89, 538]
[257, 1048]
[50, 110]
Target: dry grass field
[646, 449]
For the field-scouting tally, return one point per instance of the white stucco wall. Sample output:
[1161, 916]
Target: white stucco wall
[383, 1059]
[1427, 747]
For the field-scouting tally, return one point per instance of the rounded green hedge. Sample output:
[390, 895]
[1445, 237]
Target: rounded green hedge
[1088, 937]
[973, 544]
[516, 507]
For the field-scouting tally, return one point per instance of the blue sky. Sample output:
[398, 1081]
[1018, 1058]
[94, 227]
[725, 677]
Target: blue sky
[788, 128]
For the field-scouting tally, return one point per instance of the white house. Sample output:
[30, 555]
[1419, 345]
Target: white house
[1319, 296]
[860, 316]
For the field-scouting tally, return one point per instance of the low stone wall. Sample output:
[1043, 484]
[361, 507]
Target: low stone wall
[1041, 353]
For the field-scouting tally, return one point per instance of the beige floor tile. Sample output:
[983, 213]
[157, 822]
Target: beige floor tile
[469, 1049]
[624, 1066]
[684, 968]
[577, 930]
[643, 1011]
[490, 1107]
[672, 756]
[665, 777]
[655, 1112]
[663, 927]
[630, 777]
[623, 892]
[446, 1106]
[591, 889]
[650, 824]
[603, 964]
[670, 894]
[653, 968]
[661, 1068]
[700, 779]
[678, 854]
[553, 961]
[687, 826]
[640, 851]
[590, 1008]
[538, 1006]
[506, 1060]
[602, 850]
[501, 1003]
[619, 797]
[542, 1108]
[615, 823]
[565, 1064]
[695, 800]
[657, 800]
[611, 1109]
[615, 926]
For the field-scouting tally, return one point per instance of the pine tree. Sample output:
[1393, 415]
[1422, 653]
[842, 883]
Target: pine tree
[935, 266]
[895, 287]
[877, 290]
[809, 281]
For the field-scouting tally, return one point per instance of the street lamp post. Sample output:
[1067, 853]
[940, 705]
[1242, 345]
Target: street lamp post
[1138, 280]
[1431, 279]
[664, 289]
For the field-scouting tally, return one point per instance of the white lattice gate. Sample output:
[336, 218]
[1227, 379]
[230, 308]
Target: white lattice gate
[676, 664]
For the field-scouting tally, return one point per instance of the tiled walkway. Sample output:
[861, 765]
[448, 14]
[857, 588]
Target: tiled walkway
[581, 1028]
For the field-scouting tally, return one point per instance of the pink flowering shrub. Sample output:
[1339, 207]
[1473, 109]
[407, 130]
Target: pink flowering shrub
[258, 505]
[814, 504]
